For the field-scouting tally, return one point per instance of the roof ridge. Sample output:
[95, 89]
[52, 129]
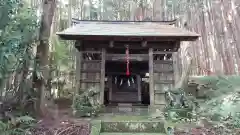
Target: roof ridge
[128, 30]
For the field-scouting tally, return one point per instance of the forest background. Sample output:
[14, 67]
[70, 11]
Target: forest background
[33, 60]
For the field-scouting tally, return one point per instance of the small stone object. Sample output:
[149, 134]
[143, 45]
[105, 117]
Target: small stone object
[170, 131]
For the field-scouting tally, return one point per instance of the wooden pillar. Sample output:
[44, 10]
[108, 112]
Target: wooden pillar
[151, 79]
[110, 88]
[78, 68]
[102, 83]
[175, 68]
[139, 88]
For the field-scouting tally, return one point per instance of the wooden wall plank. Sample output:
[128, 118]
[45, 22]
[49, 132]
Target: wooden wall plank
[159, 99]
[163, 52]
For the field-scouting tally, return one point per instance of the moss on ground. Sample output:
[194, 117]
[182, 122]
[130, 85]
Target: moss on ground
[133, 126]
[215, 80]
[149, 127]
[95, 127]
[129, 123]
[132, 134]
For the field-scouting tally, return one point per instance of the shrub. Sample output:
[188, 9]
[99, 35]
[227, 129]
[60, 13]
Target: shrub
[87, 104]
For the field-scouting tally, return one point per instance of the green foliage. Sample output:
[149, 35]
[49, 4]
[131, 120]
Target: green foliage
[225, 102]
[87, 104]
[17, 126]
[221, 104]
[61, 53]
[16, 37]
[7, 9]
[18, 30]
[180, 105]
[18, 33]
[62, 67]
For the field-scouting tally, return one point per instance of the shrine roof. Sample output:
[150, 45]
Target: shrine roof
[126, 29]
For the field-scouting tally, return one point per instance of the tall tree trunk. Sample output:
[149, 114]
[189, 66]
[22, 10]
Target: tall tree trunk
[157, 10]
[42, 56]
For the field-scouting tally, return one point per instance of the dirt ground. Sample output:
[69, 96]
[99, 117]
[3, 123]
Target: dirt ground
[60, 121]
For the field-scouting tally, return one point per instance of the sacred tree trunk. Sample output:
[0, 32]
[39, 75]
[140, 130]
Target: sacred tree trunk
[217, 50]
[42, 61]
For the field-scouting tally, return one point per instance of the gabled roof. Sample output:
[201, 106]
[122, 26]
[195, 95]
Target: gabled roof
[127, 29]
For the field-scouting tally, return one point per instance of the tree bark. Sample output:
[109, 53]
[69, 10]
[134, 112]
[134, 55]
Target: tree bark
[42, 56]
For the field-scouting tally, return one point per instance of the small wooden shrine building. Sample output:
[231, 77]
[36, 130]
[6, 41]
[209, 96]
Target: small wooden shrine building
[130, 62]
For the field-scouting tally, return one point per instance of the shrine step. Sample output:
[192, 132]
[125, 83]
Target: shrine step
[127, 125]
[127, 109]
[133, 126]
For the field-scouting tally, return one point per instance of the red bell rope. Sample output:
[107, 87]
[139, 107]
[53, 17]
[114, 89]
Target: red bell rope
[127, 60]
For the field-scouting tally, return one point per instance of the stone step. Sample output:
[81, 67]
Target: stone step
[133, 126]
[114, 133]
[126, 109]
